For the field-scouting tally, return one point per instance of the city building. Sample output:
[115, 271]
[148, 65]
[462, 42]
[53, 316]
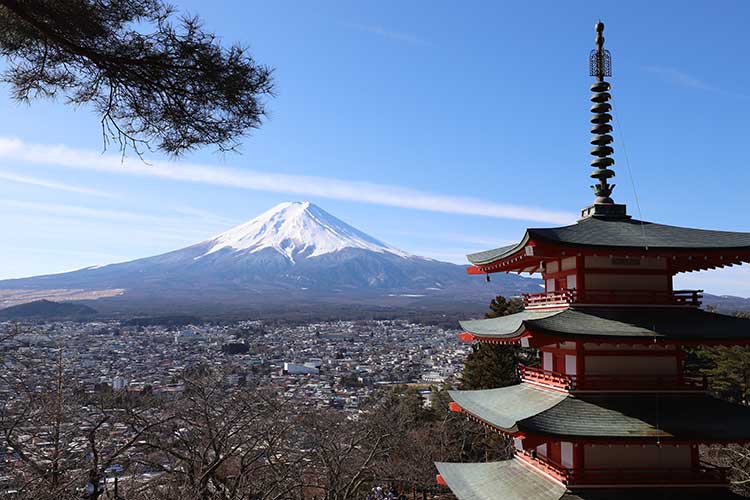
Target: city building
[297, 369]
[119, 383]
[610, 413]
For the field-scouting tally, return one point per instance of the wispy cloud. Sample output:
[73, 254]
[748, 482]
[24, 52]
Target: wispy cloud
[397, 36]
[108, 257]
[60, 186]
[324, 187]
[454, 256]
[56, 226]
[60, 209]
[463, 239]
[204, 215]
[677, 77]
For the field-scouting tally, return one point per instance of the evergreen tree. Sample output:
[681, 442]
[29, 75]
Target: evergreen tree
[153, 80]
[493, 365]
[490, 366]
[726, 369]
[500, 306]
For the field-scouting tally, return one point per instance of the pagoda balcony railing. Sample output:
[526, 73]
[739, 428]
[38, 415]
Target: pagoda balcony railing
[545, 377]
[549, 299]
[609, 382]
[565, 297]
[544, 464]
[703, 474]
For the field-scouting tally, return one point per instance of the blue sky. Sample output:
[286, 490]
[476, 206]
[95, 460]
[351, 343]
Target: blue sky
[437, 128]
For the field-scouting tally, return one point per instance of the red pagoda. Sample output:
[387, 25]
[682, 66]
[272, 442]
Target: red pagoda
[610, 413]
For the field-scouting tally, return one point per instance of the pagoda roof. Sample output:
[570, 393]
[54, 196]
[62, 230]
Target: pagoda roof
[506, 406]
[506, 479]
[665, 323]
[621, 233]
[512, 480]
[682, 416]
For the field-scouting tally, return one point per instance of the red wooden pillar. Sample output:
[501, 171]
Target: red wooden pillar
[578, 455]
[554, 452]
[580, 278]
[580, 365]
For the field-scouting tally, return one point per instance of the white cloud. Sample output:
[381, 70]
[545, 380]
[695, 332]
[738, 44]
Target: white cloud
[59, 209]
[677, 77]
[108, 257]
[482, 241]
[204, 215]
[363, 192]
[151, 227]
[398, 36]
[60, 186]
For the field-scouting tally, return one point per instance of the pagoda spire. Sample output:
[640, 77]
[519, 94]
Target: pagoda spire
[600, 66]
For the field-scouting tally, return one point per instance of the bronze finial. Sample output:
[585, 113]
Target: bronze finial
[600, 66]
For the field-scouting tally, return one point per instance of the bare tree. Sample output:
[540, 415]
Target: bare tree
[221, 445]
[343, 453]
[151, 80]
[65, 441]
[421, 436]
[736, 458]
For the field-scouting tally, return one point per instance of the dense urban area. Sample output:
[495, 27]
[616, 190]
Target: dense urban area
[106, 389]
[334, 364]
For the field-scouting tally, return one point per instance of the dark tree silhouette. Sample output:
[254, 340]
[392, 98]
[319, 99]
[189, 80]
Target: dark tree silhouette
[500, 306]
[492, 365]
[154, 82]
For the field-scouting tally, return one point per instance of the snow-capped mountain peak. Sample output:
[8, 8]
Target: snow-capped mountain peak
[298, 230]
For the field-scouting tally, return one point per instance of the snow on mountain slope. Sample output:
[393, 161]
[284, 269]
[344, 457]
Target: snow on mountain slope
[293, 250]
[297, 230]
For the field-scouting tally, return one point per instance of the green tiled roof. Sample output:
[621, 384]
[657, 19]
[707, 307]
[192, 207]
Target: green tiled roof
[504, 326]
[504, 480]
[678, 416]
[511, 480]
[487, 256]
[505, 406]
[624, 233]
[528, 408]
[683, 323]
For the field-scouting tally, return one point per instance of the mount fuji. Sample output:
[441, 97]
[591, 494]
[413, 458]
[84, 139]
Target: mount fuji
[295, 253]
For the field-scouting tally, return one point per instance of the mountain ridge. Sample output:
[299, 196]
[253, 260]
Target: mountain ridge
[298, 228]
[295, 249]
[46, 309]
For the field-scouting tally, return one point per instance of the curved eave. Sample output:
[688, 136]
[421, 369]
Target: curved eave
[495, 254]
[508, 328]
[504, 407]
[693, 249]
[529, 410]
[668, 325]
[691, 417]
[513, 480]
[506, 479]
